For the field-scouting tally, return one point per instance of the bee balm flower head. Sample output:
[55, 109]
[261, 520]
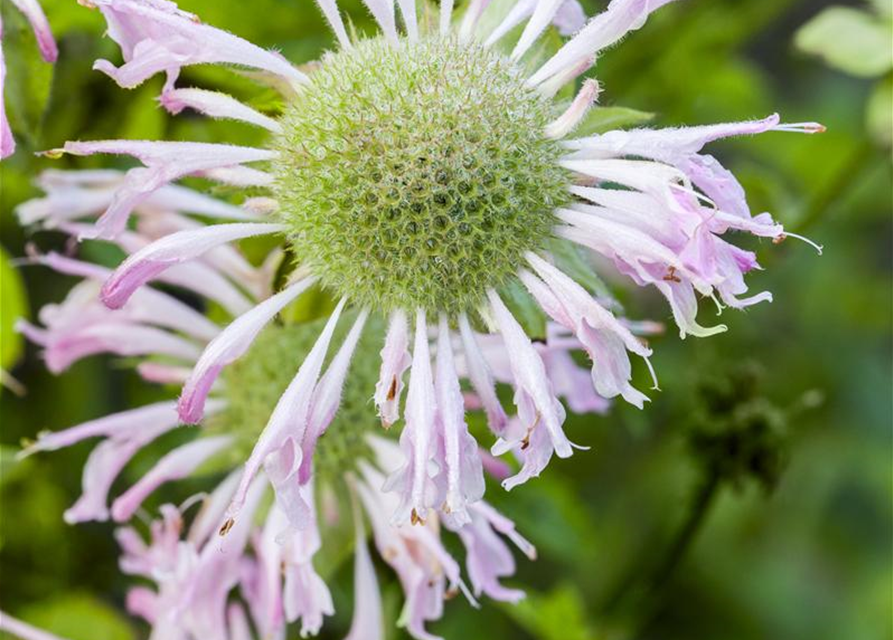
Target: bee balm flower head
[429, 184]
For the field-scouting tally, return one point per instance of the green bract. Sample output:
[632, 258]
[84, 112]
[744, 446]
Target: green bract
[417, 175]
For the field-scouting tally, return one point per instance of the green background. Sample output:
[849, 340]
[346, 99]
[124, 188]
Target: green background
[751, 500]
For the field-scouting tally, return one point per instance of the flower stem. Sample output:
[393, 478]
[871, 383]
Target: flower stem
[697, 514]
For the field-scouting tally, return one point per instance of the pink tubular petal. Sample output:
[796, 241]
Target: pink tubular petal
[216, 105]
[488, 559]
[142, 602]
[116, 425]
[506, 527]
[327, 395]
[465, 476]
[289, 418]
[575, 113]
[157, 37]
[164, 162]
[521, 10]
[175, 465]
[605, 29]
[395, 361]
[383, 12]
[481, 377]
[570, 18]
[649, 177]
[230, 345]
[182, 246]
[41, 27]
[106, 461]
[162, 373]
[281, 467]
[604, 337]
[446, 16]
[148, 305]
[408, 11]
[531, 383]
[367, 621]
[668, 145]
[416, 440]
[208, 519]
[74, 194]
[262, 590]
[237, 623]
[7, 142]
[542, 16]
[119, 338]
[329, 9]
[470, 19]
[238, 176]
[23, 630]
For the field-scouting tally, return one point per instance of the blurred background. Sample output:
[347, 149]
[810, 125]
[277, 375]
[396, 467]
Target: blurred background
[750, 501]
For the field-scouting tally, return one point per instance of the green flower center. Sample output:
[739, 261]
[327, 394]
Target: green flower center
[417, 175]
[254, 383]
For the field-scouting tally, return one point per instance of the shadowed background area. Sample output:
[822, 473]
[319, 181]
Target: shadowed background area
[751, 500]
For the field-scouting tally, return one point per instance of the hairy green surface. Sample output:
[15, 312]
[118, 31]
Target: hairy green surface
[417, 176]
[254, 383]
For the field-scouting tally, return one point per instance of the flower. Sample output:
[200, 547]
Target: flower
[271, 565]
[428, 187]
[341, 454]
[421, 175]
[47, 45]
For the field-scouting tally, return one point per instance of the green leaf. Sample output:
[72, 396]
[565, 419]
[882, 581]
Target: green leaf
[569, 259]
[525, 310]
[13, 305]
[602, 119]
[145, 119]
[879, 112]
[29, 79]
[851, 40]
[557, 615]
[10, 467]
[77, 617]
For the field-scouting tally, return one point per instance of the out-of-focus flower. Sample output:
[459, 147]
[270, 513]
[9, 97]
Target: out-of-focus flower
[418, 175]
[195, 577]
[47, 45]
[271, 565]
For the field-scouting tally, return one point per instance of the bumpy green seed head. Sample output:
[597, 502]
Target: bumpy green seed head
[253, 385]
[417, 175]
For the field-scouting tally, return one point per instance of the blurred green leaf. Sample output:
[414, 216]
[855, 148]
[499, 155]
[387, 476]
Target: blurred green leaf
[77, 616]
[13, 305]
[10, 468]
[526, 311]
[557, 615]
[602, 119]
[851, 40]
[879, 112]
[29, 79]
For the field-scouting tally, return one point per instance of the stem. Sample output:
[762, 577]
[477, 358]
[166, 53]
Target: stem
[703, 499]
[630, 590]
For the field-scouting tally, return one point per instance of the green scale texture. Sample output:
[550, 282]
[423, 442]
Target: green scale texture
[254, 383]
[417, 175]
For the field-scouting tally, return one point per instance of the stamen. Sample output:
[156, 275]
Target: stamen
[801, 127]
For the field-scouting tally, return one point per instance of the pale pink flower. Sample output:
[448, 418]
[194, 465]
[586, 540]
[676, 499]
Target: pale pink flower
[452, 288]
